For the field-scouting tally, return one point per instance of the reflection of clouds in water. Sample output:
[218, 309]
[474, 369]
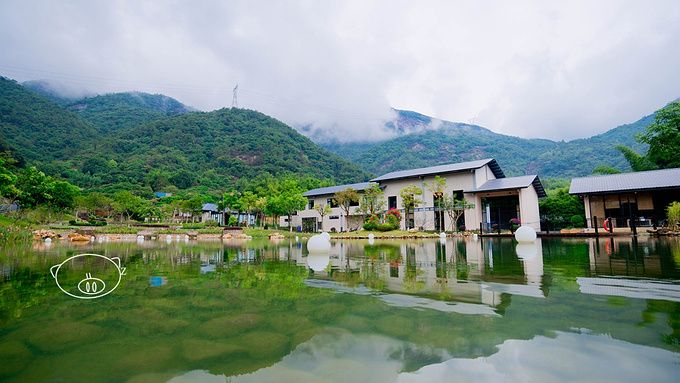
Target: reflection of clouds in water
[339, 356]
[566, 358]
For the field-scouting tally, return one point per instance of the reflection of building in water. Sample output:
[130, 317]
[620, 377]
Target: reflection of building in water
[455, 270]
[613, 261]
[641, 256]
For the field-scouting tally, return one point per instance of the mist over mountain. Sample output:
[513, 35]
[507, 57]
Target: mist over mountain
[424, 141]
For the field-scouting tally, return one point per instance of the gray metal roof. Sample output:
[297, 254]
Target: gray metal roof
[443, 169]
[333, 189]
[650, 180]
[210, 207]
[511, 183]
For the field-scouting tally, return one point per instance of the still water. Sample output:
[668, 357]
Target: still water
[460, 310]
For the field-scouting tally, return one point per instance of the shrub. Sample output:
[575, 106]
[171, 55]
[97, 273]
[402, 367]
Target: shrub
[673, 214]
[393, 218]
[233, 221]
[576, 221]
[211, 223]
[371, 223]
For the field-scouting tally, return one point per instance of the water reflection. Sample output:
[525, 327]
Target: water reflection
[485, 310]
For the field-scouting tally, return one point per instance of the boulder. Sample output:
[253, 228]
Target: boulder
[75, 237]
[42, 234]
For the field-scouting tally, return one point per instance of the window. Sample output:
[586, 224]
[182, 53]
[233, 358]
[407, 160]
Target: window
[392, 202]
[331, 202]
[334, 217]
[354, 203]
[311, 204]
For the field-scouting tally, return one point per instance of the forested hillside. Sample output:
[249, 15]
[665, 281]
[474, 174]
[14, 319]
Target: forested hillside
[150, 142]
[454, 142]
[119, 111]
[41, 129]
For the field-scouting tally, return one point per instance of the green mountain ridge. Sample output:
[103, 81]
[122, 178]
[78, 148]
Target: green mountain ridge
[118, 111]
[150, 142]
[449, 142]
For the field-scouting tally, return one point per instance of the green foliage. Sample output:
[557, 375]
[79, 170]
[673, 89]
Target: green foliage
[604, 170]
[663, 137]
[576, 221]
[673, 214]
[130, 141]
[14, 234]
[561, 206]
[371, 223]
[372, 200]
[393, 218]
[637, 162]
[408, 198]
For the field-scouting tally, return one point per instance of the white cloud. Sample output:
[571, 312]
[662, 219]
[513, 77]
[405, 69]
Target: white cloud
[527, 68]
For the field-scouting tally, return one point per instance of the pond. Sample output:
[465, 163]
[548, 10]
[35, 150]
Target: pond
[459, 310]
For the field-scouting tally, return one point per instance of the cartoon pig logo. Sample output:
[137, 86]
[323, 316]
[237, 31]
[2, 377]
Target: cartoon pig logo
[101, 275]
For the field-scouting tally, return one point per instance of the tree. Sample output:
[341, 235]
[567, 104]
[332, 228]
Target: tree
[8, 180]
[230, 201]
[247, 203]
[638, 163]
[345, 198]
[193, 206]
[455, 209]
[663, 137]
[127, 203]
[409, 201]
[605, 170]
[372, 200]
[323, 209]
[437, 188]
[286, 198]
[561, 206]
[260, 206]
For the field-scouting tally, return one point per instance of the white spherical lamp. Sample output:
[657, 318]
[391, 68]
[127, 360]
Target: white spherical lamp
[525, 234]
[318, 244]
[326, 235]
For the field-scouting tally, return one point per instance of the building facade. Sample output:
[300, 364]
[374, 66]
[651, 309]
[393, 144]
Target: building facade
[496, 199]
[626, 198]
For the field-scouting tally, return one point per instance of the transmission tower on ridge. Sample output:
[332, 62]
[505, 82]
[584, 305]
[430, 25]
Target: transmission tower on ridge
[234, 101]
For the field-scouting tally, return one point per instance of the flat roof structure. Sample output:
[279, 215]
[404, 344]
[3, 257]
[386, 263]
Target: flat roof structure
[627, 182]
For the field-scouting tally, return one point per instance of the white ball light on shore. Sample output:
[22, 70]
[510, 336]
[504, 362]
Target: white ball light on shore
[371, 236]
[442, 235]
[525, 234]
[318, 244]
[326, 235]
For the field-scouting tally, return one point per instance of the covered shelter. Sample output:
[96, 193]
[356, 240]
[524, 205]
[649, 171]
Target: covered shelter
[626, 198]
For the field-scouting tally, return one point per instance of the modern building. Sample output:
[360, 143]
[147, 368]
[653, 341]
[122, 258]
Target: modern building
[496, 199]
[640, 197]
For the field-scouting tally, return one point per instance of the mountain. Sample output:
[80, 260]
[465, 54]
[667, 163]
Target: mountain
[433, 142]
[38, 128]
[55, 91]
[119, 111]
[135, 140]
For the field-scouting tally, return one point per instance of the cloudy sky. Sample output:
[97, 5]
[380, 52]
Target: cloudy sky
[534, 69]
